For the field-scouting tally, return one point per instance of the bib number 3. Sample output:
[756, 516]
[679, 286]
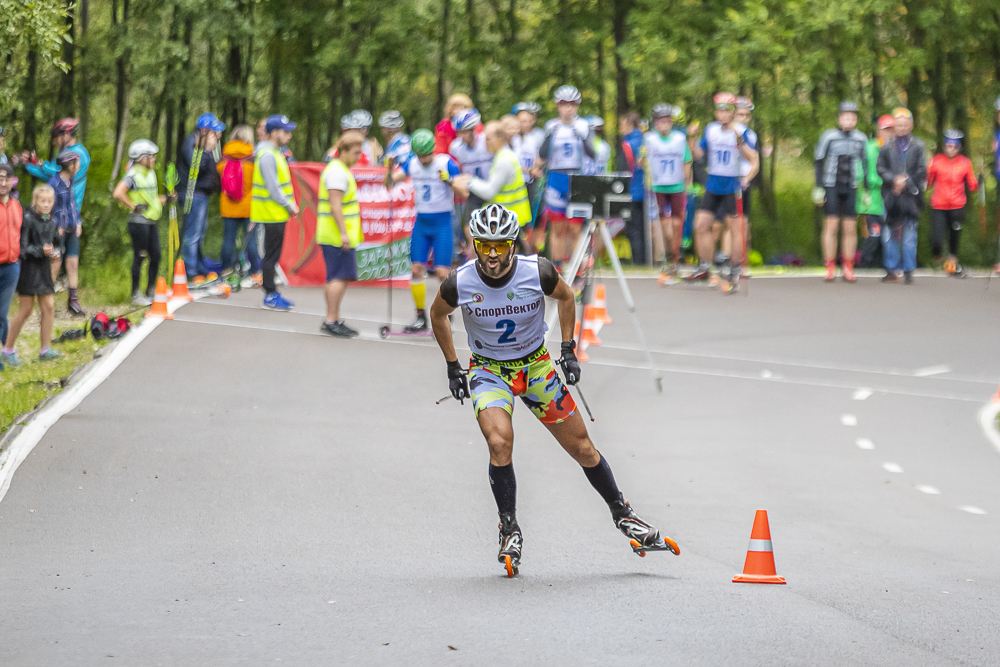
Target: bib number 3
[508, 335]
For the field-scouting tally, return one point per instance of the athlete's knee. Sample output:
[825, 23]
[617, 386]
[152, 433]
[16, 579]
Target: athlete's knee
[500, 446]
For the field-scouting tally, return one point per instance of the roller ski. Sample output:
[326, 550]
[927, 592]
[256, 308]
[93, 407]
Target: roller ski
[510, 544]
[668, 276]
[420, 327]
[642, 536]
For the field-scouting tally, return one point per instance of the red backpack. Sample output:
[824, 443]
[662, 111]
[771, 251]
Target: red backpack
[232, 179]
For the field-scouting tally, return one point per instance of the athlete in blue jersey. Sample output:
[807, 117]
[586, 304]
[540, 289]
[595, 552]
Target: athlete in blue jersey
[397, 143]
[723, 143]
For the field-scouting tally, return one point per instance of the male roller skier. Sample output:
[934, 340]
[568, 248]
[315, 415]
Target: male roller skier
[502, 297]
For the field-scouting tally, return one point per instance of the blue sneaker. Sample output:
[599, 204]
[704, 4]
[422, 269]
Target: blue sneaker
[11, 359]
[49, 355]
[274, 301]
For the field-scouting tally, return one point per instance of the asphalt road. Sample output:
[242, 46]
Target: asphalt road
[245, 491]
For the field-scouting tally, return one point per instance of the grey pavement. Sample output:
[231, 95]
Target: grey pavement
[245, 491]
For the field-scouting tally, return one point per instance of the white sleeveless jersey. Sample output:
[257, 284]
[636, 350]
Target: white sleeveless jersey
[665, 156]
[526, 149]
[565, 144]
[503, 323]
[720, 147]
[474, 160]
[432, 195]
[745, 163]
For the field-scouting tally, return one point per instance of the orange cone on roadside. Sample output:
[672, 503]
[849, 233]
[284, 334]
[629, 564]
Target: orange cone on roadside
[590, 327]
[159, 308]
[759, 566]
[180, 288]
[601, 304]
[581, 349]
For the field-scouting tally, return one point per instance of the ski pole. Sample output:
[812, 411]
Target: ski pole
[584, 401]
[442, 399]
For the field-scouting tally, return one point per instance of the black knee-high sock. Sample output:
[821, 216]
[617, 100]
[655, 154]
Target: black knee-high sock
[504, 487]
[602, 479]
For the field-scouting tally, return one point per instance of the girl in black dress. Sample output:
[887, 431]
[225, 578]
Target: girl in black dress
[39, 239]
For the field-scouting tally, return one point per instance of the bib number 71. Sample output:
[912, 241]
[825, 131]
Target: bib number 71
[508, 335]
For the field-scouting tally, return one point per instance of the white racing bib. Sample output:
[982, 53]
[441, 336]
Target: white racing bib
[474, 160]
[666, 157]
[503, 323]
[720, 147]
[565, 145]
[431, 194]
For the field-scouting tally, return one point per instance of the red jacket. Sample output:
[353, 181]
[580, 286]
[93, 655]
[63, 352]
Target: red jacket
[444, 134]
[949, 177]
[11, 217]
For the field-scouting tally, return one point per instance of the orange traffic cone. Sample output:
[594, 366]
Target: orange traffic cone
[590, 326]
[759, 566]
[159, 308]
[601, 304]
[180, 288]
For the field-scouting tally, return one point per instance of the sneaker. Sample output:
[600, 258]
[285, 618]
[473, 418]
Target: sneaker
[50, 355]
[849, 276]
[890, 277]
[138, 299]
[274, 301]
[11, 359]
[831, 270]
[196, 281]
[419, 324]
[700, 274]
[338, 329]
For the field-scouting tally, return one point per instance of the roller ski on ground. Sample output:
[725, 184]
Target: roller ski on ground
[420, 327]
[642, 536]
[510, 544]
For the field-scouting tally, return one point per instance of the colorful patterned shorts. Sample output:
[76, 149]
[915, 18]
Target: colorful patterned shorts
[494, 384]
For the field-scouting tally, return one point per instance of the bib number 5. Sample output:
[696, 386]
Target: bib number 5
[508, 335]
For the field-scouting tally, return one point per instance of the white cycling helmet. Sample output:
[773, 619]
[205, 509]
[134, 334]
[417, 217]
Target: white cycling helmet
[392, 120]
[595, 122]
[363, 117]
[350, 122]
[567, 94]
[466, 120]
[494, 223]
[141, 147]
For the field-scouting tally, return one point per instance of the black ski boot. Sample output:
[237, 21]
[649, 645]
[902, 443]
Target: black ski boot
[419, 324]
[643, 536]
[510, 544]
[73, 304]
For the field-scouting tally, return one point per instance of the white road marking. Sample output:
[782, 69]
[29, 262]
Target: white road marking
[892, 467]
[862, 394]
[865, 443]
[848, 420]
[929, 490]
[68, 400]
[928, 371]
[972, 509]
[765, 373]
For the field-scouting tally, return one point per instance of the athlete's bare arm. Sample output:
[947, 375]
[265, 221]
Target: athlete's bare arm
[440, 310]
[753, 158]
[563, 294]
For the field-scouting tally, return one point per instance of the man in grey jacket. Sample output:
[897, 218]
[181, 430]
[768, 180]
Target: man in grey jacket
[902, 166]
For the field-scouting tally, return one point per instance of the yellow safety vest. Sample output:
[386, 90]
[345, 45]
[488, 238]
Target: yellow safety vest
[327, 231]
[262, 207]
[145, 192]
[514, 194]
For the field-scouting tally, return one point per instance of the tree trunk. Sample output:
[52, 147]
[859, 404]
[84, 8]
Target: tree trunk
[121, 69]
[443, 55]
[473, 56]
[234, 103]
[120, 144]
[210, 75]
[30, 100]
[65, 102]
[619, 31]
[275, 73]
[84, 82]
[165, 98]
[182, 105]
[938, 94]
[513, 60]
[959, 94]
[601, 94]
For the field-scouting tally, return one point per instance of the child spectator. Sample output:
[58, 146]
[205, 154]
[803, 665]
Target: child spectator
[67, 217]
[138, 191]
[949, 174]
[38, 248]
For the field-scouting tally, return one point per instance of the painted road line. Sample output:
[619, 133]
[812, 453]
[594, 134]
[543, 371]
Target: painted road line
[21, 446]
[862, 394]
[848, 420]
[928, 371]
[928, 489]
[889, 466]
[972, 509]
[865, 443]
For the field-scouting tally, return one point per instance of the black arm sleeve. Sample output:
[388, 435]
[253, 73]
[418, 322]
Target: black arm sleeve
[547, 276]
[588, 146]
[449, 290]
[546, 147]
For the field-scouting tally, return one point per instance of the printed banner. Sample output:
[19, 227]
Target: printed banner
[386, 223]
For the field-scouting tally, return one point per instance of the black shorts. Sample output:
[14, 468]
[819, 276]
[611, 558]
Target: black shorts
[747, 200]
[340, 264]
[841, 202]
[722, 206]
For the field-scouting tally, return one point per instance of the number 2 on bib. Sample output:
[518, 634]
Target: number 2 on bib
[508, 335]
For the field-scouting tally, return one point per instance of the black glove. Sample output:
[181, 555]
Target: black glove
[458, 382]
[569, 363]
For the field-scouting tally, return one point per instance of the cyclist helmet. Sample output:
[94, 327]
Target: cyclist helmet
[663, 111]
[596, 122]
[996, 105]
[567, 94]
[953, 137]
[66, 157]
[66, 126]
[350, 122]
[744, 103]
[533, 107]
[466, 120]
[364, 118]
[141, 147]
[518, 108]
[725, 98]
[422, 142]
[847, 107]
[494, 223]
[392, 120]
[886, 121]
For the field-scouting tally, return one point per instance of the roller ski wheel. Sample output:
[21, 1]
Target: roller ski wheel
[664, 544]
[510, 544]
[384, 332]
[509, 565]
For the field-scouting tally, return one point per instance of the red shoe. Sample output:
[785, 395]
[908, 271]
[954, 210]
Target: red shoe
[849, 272]
[831, 269]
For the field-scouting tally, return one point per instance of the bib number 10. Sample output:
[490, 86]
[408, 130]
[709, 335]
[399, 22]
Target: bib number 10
[508, 334]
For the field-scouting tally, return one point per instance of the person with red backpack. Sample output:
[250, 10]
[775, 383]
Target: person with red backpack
[236, 170]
